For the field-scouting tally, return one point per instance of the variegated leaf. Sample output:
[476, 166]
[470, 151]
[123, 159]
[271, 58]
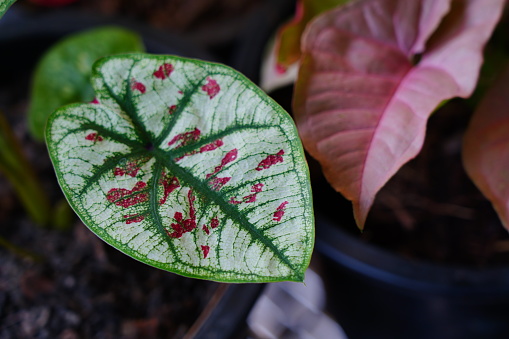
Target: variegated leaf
[4, 6]
[189, 167]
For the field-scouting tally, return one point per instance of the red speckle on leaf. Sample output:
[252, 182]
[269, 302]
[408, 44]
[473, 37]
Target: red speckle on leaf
[192, 211]
[214, 223]
[130, 169]
[252, 197]
[212, 146]
[212, 88]
[135, 85]
[249, 198]
[133, 218]
[234, 201]
[280, 212]
[217, 183]
[207, 148]
[172, 109]
[169, 185]
[257, 188]
[229, 157]
[164, 71]
[185, 137]
[180, 92]
[178, 216]
[95, 101]
[168, 68]
[125, 198]
[271, 160]
[183, 226]
[178, 231]
[205, 250]
[94, 137]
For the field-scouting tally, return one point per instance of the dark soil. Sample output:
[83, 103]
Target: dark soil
[78, 287]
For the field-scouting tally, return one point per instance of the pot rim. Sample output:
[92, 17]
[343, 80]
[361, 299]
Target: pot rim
[386, 267]
[18, 23]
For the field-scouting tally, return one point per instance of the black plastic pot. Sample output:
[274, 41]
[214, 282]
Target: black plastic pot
[21, 30]
[25, 36]
[376, 294]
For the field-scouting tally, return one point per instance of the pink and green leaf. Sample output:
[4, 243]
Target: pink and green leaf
[189, 167]
[361, 104]
[4, 6]
[288, 39]
[486, 147]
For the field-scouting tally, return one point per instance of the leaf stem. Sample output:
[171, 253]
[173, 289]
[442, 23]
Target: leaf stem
[18, 171]
[20, 252]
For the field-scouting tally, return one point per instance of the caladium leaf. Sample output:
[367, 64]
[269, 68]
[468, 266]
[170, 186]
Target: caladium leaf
[361, 104]
[4, 6]
[62, 75]
[486, 147]
[189, 167]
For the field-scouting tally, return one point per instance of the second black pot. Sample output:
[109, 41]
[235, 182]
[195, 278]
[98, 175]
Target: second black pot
[376, 294]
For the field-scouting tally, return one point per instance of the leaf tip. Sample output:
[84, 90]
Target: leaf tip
[298, 277]
[360, 212]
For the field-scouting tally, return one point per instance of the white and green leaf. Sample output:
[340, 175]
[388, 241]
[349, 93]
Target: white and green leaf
[189, 167]
[4, 6]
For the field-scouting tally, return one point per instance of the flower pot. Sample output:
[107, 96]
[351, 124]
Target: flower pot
[376, 294]
[84, 288]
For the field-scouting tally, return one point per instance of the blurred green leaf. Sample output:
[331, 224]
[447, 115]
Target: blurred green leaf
[63, 74]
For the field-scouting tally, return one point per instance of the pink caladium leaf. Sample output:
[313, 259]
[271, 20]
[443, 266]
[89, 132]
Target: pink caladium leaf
[486, 147]
[361, 104]
[187, 166]
[288, 38]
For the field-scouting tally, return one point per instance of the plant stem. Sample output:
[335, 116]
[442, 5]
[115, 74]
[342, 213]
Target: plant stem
[16, 250]
[18, 171]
